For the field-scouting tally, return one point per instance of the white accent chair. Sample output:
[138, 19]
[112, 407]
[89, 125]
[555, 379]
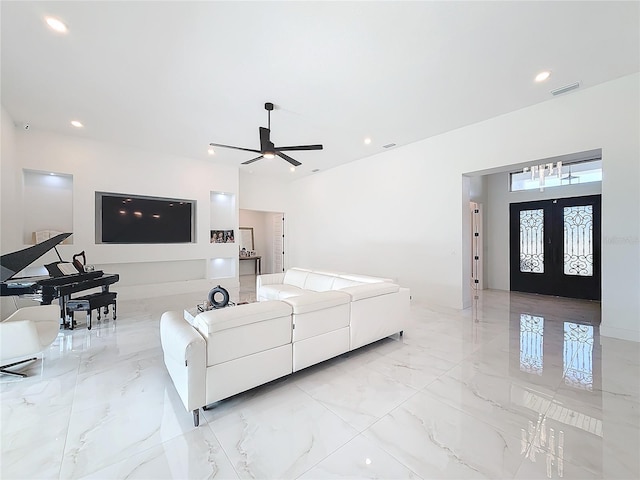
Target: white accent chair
[26, 333]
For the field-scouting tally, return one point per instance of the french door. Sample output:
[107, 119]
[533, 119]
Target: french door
[555, 247]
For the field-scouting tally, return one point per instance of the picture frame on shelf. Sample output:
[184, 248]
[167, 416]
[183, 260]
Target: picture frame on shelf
[246, 238]
[222, 236]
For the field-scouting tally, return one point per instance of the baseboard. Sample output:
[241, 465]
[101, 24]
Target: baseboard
[620, 333]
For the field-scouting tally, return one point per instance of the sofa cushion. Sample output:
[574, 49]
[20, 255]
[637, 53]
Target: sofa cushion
[366, 278]
[312, 301]
[319, 282]
[341, 282]
[295, 277]
[236, 332]
[316, 313]
[368, 290]
[231, 317]
[278, 292]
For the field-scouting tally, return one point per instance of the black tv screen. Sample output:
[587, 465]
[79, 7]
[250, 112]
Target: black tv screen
[142, 219]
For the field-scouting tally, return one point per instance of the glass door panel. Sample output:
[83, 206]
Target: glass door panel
[532, 241]
[578, 240]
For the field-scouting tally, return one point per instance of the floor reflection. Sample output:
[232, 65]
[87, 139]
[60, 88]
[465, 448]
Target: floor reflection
[555, 347]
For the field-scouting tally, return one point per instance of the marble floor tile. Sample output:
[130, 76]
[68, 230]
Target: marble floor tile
[487, 392]
[360, 458]
[33, 446]
[278, 434]
[436, 440]
[546, 466]
[109, 433]
[411, 365]
[360, 396]
[503, 403]
[196, 454]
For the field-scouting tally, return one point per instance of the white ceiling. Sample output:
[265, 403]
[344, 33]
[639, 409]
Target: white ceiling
[174, 76]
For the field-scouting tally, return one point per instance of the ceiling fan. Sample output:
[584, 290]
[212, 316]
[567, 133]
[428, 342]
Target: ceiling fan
[267, 148]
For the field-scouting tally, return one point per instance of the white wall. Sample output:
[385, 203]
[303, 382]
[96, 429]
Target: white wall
[56, 213]
[148, 270]
[400, 213]
[497, 217]
[263, 193]
[9, 216]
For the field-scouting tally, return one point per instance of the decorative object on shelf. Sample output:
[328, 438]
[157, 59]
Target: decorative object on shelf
[222, 236]
[42, 235]
[246, 239]
[543, 170]
[223, 297]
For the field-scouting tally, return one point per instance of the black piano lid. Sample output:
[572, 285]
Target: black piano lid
[12, 263]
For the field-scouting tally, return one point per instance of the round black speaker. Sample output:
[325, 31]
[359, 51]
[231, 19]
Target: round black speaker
[218, 297]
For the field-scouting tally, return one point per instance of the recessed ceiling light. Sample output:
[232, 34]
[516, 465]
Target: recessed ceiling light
[542, 76]
[211, 151]
[292, 168]
[56, 24]
[367, 141]
[76, 124]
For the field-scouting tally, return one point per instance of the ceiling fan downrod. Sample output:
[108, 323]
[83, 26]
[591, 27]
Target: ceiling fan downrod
[268, 107]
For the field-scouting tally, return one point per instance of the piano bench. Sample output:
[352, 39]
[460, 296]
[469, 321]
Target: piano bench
[88, 303]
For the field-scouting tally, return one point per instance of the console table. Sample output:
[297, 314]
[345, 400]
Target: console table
[258, 260]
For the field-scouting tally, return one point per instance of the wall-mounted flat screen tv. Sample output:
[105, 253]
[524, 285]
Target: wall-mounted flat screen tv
[122, 218]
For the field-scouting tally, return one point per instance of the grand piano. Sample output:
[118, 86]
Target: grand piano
[46, 289]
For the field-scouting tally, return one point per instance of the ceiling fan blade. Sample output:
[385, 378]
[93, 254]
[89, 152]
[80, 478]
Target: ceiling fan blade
[293, 162]
[252, 160]
[235, 148]
[299, 147]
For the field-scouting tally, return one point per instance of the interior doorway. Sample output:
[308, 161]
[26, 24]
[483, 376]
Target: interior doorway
[269, 240]
[555, 247]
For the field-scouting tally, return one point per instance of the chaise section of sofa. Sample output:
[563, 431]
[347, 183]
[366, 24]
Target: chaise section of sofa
[226, 351]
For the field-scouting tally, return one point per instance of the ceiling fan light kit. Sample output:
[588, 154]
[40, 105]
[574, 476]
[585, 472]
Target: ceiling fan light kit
[267, 148]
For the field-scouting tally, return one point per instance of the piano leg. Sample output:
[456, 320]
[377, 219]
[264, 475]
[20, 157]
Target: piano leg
[63, 312]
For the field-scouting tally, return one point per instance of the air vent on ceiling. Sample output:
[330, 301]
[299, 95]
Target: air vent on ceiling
[565, 89]
[315, 170]
[389, 145]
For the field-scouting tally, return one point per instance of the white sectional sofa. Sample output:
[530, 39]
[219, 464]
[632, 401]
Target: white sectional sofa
[379, 307]
[303, 318]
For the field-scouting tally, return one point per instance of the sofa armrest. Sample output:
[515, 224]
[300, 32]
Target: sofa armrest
[185, 358]
[368, 290]
[269, 279]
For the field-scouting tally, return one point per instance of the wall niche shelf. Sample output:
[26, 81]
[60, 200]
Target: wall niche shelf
[48, 203]
[223, 217]
[220, 268]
